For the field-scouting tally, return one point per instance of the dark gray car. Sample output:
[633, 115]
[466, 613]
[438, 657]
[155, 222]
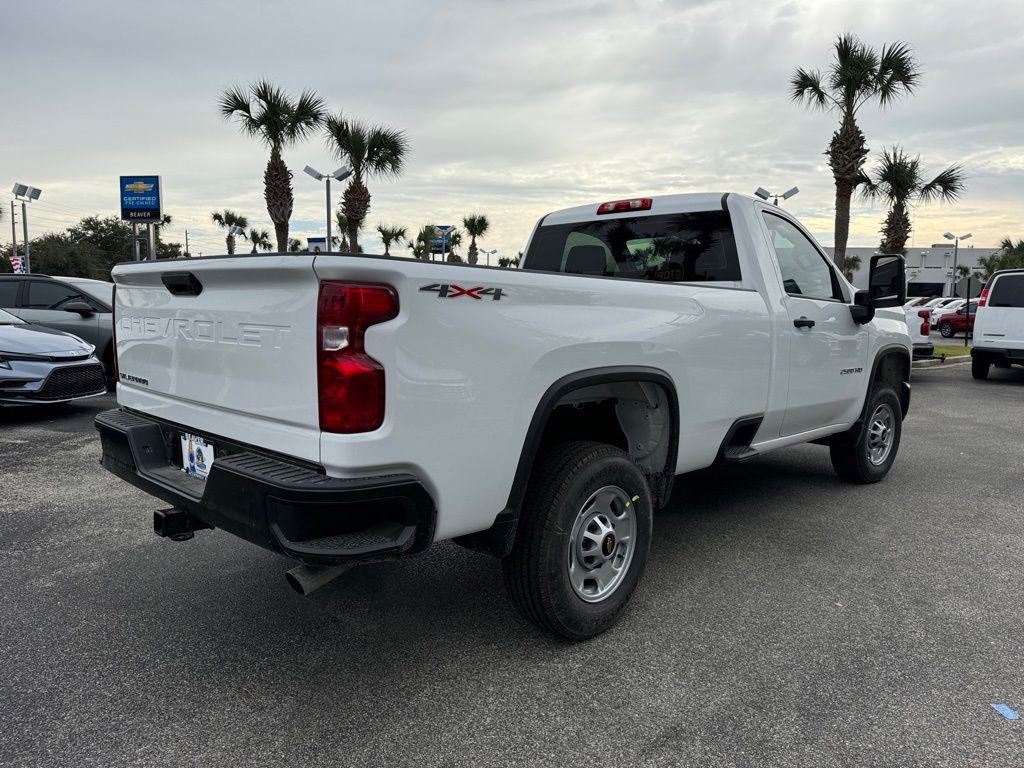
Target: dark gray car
[75, 305]
[41, 365]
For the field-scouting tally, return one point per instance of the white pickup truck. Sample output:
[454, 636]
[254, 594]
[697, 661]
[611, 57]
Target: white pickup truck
[349, 408]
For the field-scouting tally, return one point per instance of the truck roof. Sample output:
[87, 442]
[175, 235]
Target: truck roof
[660, 204]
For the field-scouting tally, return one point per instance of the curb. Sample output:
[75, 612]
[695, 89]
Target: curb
[955, 362]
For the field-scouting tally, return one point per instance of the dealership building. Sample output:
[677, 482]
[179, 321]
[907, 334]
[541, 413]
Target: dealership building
[929, 270]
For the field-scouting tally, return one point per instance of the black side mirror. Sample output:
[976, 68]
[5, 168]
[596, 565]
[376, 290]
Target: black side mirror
[887, 287]
[887, 281]
[80, 307]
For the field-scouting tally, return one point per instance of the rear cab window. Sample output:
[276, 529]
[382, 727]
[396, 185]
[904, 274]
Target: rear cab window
[1008, 291]
[8, 292]
[679, 248]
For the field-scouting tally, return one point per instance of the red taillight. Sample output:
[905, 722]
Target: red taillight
[983, 298]
[621, 206]
[350, 382]
[924, 314]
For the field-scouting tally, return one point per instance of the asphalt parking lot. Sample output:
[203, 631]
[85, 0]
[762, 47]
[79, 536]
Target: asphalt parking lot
[785, 619]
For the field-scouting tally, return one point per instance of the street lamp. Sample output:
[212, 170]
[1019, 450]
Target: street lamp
[26, 194]
[488, 254]
[341, 174]
[764, 194]
[956, 247]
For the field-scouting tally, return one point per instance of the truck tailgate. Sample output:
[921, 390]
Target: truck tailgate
[223, 346]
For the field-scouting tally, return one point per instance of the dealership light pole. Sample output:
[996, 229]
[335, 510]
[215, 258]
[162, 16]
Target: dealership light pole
[488, 254]
[26, 194]
[956, 247]
[341, 174]
[764, 194]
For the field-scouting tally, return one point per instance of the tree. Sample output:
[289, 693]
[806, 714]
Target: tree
[453, 240]
[370, 151]
[898, 180]
[507, 262]
[341, 239]
[851, 265]
[857, 75]
[294, 245]
[389, 235]
[260, 239]
[476, 225]
[227, 219]
[1009, 256]
[264, 111]
[422, 244]
[113, 240]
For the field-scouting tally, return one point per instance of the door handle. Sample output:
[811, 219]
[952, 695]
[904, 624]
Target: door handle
[803, 322]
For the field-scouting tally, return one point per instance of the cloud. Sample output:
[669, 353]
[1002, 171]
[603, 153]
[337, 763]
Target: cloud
[512, 109]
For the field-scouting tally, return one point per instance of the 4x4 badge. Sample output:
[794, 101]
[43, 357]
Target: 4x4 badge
[452, 291]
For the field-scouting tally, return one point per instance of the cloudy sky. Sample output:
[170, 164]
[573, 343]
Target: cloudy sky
[512, 108]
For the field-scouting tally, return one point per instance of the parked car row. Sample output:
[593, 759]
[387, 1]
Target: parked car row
[50, 331]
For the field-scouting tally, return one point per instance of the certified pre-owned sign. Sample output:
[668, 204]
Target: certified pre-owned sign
[140, 198]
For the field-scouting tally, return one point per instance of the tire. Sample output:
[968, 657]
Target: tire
[858, 463]
[979, 368]
[548, 569]
[946, 329]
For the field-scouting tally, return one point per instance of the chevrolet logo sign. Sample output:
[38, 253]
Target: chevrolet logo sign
[138, 187]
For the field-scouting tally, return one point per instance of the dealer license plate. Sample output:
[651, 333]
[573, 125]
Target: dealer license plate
[196, 455]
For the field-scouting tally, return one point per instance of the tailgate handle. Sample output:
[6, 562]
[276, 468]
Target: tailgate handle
[181, 283]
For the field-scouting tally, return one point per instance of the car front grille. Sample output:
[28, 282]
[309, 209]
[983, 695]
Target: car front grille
[73, 381]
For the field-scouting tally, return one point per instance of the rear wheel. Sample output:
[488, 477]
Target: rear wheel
[979, 368]
[582, 540]
[870, 458]
[946, 329]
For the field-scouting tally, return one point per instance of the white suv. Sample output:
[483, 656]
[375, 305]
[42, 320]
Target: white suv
[999, 324]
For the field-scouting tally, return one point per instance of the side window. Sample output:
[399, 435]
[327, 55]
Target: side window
[1008, 291]
[47, 294]
[804, 270]
[8, 293]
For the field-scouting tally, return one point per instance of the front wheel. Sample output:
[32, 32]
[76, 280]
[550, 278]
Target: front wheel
[869, 459]
[946, 329]
[582, 540]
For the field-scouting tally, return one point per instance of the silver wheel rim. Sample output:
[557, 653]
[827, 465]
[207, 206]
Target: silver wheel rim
[601, 544]
[880, 434]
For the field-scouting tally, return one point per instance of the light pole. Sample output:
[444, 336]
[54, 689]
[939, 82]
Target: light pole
[26, 194]
[956, 247]
[488, 254]
[341, 174]
[764, 194]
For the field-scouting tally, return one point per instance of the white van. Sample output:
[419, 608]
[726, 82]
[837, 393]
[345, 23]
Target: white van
[999, 324]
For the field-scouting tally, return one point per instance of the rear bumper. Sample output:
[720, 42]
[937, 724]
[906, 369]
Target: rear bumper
[989, 355]
[285, 506]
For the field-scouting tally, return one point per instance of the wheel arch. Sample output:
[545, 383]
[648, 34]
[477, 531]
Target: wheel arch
[498, 539]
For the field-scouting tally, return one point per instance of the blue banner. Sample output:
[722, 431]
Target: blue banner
[141, 199]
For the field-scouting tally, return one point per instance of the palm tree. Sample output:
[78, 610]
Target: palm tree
[476, 225]
[898, 180]
[341, 239]
[260, 239]
[294, 245]
[226, 220]
[1009, 256]
[850, 266]
[454, 240]
[423, 242]
[369, 150]
[857, 75]
[265, 111]
[389, 235]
